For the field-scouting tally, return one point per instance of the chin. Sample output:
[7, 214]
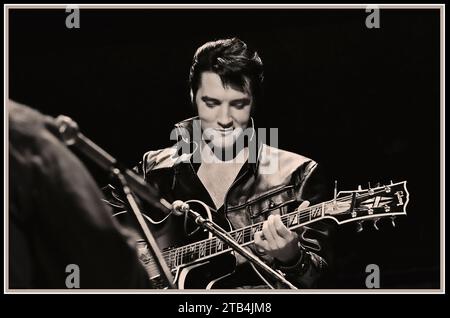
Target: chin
[223, 143]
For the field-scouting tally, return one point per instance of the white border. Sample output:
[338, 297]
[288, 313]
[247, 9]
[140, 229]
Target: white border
[231, 6]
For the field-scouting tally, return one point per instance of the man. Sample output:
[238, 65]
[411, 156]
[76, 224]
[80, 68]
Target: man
[240, 178]
[60, 234]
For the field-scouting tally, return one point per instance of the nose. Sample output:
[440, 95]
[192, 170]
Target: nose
[224, 119]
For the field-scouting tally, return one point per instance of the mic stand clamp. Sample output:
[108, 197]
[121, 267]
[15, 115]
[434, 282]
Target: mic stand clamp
[225, 237]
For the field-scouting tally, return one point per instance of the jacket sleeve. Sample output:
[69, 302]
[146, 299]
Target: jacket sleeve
[312, 269]
[115, 197]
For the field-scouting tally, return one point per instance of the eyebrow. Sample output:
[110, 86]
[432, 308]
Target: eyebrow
[244, 100]
[210, 99]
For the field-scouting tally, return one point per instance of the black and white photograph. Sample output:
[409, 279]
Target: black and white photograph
[224, 149]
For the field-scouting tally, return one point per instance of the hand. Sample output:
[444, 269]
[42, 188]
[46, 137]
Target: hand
[277, 240]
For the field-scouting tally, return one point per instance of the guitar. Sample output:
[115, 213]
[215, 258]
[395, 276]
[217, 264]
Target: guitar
[188, 262]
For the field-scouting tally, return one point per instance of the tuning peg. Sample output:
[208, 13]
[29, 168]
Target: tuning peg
[359, 188]
[393, 221]
[359, 226]
[371, 192]
[375, 225]
[392, 183]
[353, 204]
[335, 193]
[378, 184]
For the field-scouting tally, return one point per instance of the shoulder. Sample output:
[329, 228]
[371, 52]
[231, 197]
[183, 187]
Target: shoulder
[25, 123]
[161, 158]
[165, 158]
[35, 136]
[311, 181]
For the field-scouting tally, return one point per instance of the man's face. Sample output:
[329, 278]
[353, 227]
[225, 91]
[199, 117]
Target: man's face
[224, 112]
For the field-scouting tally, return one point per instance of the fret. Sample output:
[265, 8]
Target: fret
[173, 261]
[179, 255]
[293, 219]
[170, 260]
[316, 211]
[213, 246]
[191, 252]
[254, 229]
[202, 249]
[248, 234]
[182, 257]
[194, 251]
[185, 257]
[239, 236]
[182, 251]
[219, 245]
[187, 254]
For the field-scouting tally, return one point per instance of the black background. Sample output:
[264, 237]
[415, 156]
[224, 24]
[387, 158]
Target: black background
[362, 102]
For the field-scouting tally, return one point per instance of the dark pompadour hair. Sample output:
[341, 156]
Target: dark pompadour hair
[238, 66]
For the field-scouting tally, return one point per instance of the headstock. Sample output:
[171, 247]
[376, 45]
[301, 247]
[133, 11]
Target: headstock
[371, 203]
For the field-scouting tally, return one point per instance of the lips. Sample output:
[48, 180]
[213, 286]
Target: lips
[224, 132]
[225, 135]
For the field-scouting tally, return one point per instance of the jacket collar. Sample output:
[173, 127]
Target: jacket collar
[188, 132]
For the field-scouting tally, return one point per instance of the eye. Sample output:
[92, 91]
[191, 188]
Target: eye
[211, 104]
[239, 104]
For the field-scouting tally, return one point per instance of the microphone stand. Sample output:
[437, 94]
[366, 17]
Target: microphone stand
[154, 249]
[130, 181]
[225, 237]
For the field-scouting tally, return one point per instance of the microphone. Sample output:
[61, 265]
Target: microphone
[180, 208]
[71, 136]
[69, 133]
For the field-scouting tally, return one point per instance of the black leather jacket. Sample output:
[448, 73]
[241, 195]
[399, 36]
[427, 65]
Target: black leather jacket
[254, 195]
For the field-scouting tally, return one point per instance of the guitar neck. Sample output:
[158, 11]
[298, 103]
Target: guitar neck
[244, 236]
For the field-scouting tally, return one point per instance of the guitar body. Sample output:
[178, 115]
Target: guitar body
[206, 274]
[170, 235]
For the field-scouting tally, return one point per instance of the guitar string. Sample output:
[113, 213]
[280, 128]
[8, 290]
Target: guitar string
[172, 256]
[192, 249]
[248, 229]
[188, 251]
[188, 254]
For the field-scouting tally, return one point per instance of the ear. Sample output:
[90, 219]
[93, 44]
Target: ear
[194, 107]
[191, 95]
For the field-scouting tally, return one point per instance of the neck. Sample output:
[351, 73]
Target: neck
[210, 156]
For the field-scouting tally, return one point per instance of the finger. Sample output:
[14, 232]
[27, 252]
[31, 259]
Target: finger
[278, 240]
[281, 229]
[258, 238]
[304, 204]
[268, 234]
[260, 244]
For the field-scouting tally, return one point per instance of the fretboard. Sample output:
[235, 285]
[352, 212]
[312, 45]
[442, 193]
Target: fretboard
[213, 246]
